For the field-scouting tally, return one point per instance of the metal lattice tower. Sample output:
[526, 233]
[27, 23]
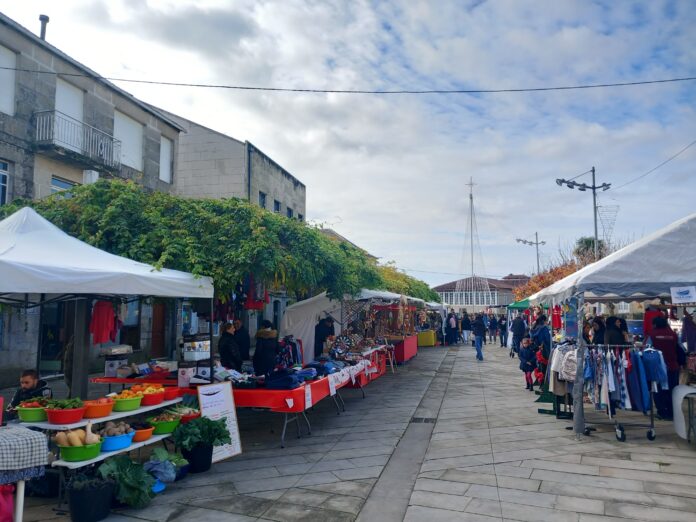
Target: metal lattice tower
[607, 217]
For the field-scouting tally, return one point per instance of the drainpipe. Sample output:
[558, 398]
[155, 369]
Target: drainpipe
[44, 21]
[248, 158]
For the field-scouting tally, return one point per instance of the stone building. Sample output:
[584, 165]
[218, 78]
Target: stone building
[213, 165]
[62, 125]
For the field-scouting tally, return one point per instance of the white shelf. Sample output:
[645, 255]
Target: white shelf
[100, 420]
[106, 454]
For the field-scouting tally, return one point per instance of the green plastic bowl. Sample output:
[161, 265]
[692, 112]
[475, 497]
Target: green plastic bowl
[163, 427]
[80, 453]
[32, 414]
[127, 404]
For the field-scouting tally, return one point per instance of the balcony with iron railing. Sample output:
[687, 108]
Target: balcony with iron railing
[71, 139]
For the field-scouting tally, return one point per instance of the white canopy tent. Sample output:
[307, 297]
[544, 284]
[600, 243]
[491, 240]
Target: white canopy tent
[39, 263]
[301, 318]
[642, 270]
[36, 257]
[645, 269]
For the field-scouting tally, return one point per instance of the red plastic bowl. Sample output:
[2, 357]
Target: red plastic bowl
[66, 416]
[171, 393]
[189, 417]
[150, 399]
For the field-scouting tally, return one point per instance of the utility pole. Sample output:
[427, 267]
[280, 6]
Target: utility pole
[582, 187]
[536, 244]
[594, 209]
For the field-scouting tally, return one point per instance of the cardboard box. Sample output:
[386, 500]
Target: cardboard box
[113, 363]
[184, 375]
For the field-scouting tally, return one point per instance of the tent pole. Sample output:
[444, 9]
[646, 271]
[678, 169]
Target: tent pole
[39, 341]
[210, 330]
[578, 406]
[80, 374]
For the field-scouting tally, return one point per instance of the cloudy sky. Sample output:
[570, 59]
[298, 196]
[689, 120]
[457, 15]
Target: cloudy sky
[390, 172]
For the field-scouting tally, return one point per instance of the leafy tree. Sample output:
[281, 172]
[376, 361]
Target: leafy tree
[225, 239]
[401, 283]
[584, 249]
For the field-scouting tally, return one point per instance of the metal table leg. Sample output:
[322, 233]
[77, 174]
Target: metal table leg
[309, 426]
[19, 501]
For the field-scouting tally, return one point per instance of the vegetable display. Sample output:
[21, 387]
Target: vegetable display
[133, 483]
[76, 438]
[64, 404]
[147, 388]
[39, 402]
[165, 417]
[112, 429]
[202, 432]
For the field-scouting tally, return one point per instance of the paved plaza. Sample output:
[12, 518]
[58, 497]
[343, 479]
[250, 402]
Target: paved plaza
[446, 438]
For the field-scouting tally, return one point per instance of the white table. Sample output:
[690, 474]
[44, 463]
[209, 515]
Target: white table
[116, 415]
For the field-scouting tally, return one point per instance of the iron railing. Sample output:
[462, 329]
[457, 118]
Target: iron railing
[58, 129]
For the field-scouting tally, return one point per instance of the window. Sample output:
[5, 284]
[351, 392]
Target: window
[300, 217]
[59, 185]
[289, 212]
[276, 206]
[130, 133]
[8, 60]
[166, 149]
[262, 199]
[623, 308]
[4, 182]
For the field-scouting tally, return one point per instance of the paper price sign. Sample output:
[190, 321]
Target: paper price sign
[216, 401]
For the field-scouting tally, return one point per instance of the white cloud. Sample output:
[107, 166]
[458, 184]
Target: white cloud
[394, 168]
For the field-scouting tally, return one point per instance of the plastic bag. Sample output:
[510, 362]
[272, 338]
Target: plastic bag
[164, 471]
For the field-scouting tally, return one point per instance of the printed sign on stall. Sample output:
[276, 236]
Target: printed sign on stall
[216, 401]
[683, 294]
[307, 396]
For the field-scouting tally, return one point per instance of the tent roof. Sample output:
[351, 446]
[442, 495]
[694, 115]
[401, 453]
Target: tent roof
[520, 305]
[644, 269]
[36, 257]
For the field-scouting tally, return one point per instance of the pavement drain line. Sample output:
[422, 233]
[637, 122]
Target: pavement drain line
[389, 498]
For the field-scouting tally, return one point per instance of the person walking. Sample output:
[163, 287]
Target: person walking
[486, 323]
[519, 328]
[502, 327]
[492, 328]
[479, 331]
[527, 361]
[466, 327]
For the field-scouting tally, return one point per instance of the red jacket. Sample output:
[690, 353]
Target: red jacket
[665, 340]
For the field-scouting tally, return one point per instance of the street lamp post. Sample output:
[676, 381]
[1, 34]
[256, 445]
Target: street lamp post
[582, 187]
[534, 243]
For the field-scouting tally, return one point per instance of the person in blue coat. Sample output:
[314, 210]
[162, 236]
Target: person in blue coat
[541, 335]
[527, 357]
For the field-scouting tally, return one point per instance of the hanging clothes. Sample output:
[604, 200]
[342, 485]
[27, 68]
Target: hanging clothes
[103, 322]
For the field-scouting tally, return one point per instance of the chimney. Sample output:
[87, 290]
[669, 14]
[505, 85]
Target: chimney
[44, 20]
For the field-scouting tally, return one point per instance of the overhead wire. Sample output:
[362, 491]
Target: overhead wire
[658, 166]
[357, 91]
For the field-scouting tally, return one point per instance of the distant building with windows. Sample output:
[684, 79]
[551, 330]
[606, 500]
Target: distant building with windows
[62, 125]
[213, 165]
[476, 294]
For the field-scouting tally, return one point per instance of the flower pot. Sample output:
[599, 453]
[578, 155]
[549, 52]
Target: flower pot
[90, 504]
[200, 458]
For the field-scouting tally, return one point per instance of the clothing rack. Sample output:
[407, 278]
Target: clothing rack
[619, 427]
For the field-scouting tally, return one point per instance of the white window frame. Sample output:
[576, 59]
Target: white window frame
[4, 182]
[8, 80]
[623, 307]
[130, 133]
[166, 165]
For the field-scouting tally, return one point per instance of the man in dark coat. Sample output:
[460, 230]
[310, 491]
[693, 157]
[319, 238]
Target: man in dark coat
[241, 337]
[479, 329]
[30, 387]
[322, 331]
[266, 349]
[228, 349]
[518, 328]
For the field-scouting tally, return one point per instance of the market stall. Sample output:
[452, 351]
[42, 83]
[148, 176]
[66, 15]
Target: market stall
[431, 324]
[42, 264]
[661, 265]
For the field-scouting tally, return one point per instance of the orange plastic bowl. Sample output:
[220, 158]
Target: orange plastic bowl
[141, 435]
[151, 399]
[95, 410]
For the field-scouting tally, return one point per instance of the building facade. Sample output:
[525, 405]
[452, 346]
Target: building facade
[477, 293]
[213, 165]
[62, 125]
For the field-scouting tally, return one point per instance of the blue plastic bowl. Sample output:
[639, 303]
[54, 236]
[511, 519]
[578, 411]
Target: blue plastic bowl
[117, 442]
[158, 486]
